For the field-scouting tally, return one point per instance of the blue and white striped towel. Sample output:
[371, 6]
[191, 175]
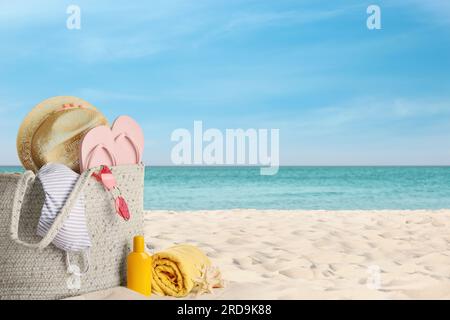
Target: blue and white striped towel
[58, 181]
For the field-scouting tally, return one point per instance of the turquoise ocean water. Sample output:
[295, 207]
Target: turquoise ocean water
[192, 188]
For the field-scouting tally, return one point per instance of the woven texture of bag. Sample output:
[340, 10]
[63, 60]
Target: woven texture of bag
[33, 268]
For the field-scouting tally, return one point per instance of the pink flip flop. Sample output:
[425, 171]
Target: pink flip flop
[98, 148]
[129, 140]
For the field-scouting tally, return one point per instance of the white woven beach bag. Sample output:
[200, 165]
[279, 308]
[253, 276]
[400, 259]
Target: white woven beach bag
[33, 268]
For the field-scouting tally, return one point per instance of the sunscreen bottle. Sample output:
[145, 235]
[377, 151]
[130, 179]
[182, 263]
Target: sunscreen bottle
[139, 268]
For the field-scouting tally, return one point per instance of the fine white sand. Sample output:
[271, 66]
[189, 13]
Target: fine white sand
[277, 254]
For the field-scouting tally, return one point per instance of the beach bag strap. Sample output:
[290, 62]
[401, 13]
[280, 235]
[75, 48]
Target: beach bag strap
[27, 178]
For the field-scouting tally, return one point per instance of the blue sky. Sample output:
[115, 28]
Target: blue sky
[339, 93]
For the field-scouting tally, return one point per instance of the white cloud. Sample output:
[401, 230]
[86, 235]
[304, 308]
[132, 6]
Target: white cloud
[252, 19]
[102, 95]
[243, 21]
[439, 9]
[19, 13]
[342, 117]
[106, 49]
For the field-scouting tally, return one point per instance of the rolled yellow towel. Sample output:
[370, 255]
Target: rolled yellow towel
[176, 270]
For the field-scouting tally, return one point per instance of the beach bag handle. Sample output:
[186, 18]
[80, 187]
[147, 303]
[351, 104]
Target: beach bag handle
[19, 196]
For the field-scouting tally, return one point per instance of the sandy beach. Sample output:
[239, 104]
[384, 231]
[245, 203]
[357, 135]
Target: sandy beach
[296, 254]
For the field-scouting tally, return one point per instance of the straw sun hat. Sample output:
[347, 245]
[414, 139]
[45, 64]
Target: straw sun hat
[52, 132]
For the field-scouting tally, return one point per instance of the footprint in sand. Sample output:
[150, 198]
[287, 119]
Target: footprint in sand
[298, 273]
[236, 241]
[266, 255]
[213, 254]
[386, 235]
[244, 262]
[270, 244]
[437, 223]
[271, 266]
